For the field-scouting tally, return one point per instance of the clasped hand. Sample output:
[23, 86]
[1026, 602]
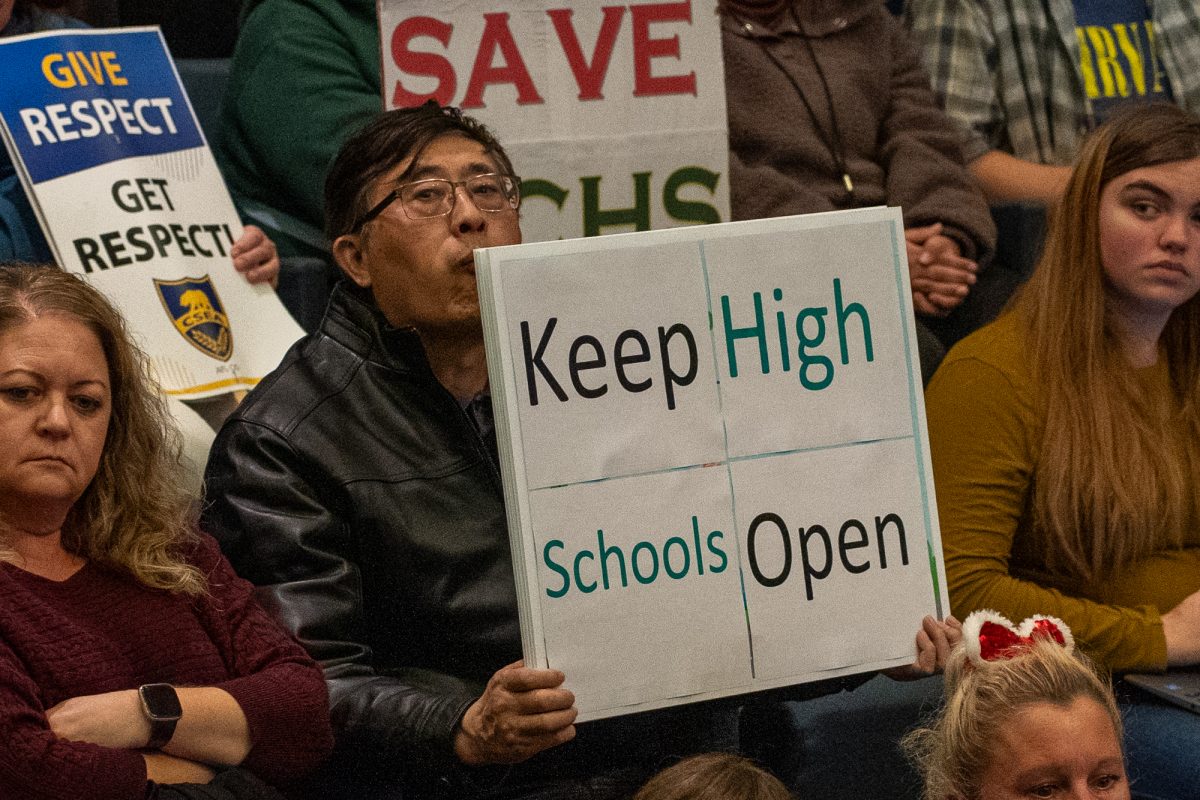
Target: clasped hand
[521, 713]
[940, 277]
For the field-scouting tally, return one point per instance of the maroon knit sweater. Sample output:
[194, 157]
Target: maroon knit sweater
[99, 631]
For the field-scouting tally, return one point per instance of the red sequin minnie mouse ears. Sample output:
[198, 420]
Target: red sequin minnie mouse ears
[989, 636]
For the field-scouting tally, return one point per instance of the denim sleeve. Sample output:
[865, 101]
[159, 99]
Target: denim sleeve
[21, 236]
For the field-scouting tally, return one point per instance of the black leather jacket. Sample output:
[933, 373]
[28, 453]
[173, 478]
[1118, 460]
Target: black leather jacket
[353, 490]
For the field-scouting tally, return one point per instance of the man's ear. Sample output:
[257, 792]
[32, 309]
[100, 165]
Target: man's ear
[347, 252]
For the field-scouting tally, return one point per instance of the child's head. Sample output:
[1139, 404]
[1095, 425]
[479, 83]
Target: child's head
[1037, 716]
[714, 776]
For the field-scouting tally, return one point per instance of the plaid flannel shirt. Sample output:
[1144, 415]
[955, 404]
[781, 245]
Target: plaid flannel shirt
[1009, 69]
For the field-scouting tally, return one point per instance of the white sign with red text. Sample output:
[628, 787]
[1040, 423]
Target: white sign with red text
[613, 114]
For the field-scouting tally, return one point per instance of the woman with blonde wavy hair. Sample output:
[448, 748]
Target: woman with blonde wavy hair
[1029, 718]
[1066, 435]
[133, 661]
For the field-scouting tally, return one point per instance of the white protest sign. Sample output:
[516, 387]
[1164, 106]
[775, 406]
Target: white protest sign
[613, 114]
[714, 455]
[128, 194]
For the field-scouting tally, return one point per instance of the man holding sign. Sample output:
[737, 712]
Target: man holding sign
[359, 487]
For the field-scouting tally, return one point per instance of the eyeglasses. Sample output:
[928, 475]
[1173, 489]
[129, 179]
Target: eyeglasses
[491, 192]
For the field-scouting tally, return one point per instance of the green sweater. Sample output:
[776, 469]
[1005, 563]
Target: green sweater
[985, 434]
[305, 75]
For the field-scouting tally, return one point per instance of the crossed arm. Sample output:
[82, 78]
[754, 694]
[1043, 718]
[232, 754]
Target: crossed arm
[984, 453]
[212, 731]
[266, 710]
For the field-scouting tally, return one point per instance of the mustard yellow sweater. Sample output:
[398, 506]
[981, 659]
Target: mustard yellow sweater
[985, 435]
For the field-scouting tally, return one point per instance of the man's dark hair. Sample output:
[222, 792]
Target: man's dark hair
[381, 144]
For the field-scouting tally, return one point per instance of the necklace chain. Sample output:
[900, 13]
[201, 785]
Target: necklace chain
[831, 139]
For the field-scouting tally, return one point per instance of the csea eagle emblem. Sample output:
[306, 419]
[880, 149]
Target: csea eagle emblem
[196, 310]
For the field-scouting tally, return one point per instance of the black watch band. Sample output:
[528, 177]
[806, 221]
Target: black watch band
[161, 706]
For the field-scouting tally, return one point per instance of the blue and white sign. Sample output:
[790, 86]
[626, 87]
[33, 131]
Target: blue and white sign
[94, 100]
[121, 178]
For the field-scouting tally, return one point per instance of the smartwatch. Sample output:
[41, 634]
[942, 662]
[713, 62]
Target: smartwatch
[161, 706]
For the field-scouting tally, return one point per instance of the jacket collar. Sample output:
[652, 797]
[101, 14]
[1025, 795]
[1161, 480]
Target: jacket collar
[353, 319]
[819, 17]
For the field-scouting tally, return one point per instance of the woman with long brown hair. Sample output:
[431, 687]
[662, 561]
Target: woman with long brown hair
[1066, 435]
